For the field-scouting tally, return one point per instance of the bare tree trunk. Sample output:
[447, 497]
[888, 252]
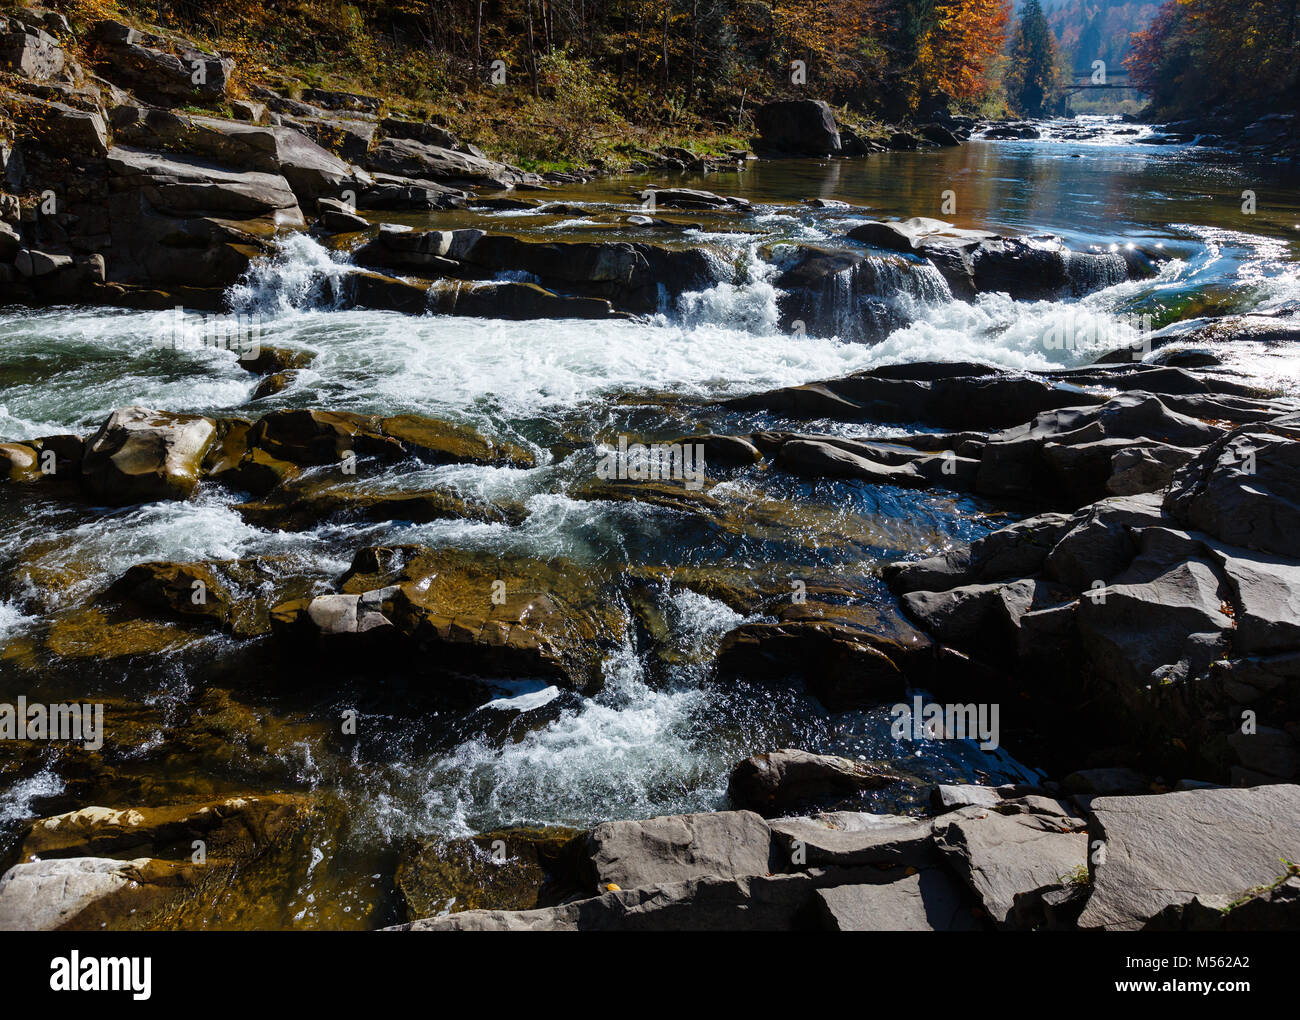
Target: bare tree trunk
[478, 42]
[532, 50]
[668, 6]
[640, 36]
[695, 51]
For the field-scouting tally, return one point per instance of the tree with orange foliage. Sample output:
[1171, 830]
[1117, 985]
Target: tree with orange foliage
[967, 35]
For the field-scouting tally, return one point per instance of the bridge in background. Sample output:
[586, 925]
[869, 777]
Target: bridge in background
[1115, 80]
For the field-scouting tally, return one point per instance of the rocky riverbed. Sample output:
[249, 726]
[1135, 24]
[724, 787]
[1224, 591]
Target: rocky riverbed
[320, 483]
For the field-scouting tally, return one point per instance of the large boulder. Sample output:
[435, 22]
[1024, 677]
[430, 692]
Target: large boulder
[311, 171]
[846, 656]
[958, 397]
[180, 221]
[854, 295]
[629, 277]
[798, 127]
[923, 901]
[139, 455]
[750, 903]
[1161, 622]
[851, 839]
[406, 157]
[30, 51]
[457, 614]
[1165, 850]
[67, 880]
[974, 262]
[60, 129]
[1011, 861]
[506, 869]
[1245, 488]
[82, 893]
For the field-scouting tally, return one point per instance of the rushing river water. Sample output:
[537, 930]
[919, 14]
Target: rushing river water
[658, 738]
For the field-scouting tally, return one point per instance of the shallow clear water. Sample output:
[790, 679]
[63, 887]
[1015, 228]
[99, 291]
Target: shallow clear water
[658, 738]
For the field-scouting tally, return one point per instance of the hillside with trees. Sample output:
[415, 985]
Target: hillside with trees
[547, 76]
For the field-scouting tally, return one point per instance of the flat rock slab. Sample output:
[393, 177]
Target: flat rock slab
[677, 848]
[1010, 860]
[926, 901]
[852, 839]
[1168, 849]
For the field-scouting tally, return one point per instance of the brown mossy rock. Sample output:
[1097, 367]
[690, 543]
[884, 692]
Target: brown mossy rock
[232, 828]
[222, 592]
[473, 614]
[139, 868]
[50, 458]
[88, 893]
[185, 590]
[19, 462]
[226, 728]
[104, 633]
[275, 383]
[140, 455]
[307, 437]
[300, 503]
[116, 772]
[255, 471]
[273, 360]
[507, 869]
[847, 656]
[447, 443]
[668, 494]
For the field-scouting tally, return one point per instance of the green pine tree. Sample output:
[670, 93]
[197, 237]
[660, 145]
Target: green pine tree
[1031, 75]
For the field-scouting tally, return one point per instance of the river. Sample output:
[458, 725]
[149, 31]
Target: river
[196, 722]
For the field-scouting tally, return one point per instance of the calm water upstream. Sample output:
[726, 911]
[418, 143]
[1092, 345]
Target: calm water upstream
[658, 739]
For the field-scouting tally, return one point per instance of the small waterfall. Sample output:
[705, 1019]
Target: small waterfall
[302, 275]
[743, 299]
[1093, 271]
[858, 297]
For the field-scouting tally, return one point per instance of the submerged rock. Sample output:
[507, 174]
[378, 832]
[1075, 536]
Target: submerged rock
[448, 612]
[846, 656]
[507, 869]
[66, 881]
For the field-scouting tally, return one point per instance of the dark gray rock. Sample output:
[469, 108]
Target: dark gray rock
[1010, 861]
[803, 127]
[776, 781]
[1163, 850]
[677, 848]
[926, 901]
